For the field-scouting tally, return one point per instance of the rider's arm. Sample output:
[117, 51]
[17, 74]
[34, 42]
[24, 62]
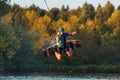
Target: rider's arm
[73, 33]
[57, 38]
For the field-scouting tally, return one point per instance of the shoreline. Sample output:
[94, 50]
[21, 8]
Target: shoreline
[49, 70]
[61, 74]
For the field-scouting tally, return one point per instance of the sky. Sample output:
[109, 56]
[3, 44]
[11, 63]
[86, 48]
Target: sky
[58, 3]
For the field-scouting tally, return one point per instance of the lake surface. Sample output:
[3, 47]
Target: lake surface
[59, 78]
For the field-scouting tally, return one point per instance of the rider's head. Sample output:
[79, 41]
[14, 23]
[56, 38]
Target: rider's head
[61, 29]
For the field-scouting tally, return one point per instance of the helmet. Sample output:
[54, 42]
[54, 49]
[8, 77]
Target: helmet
[61, 28]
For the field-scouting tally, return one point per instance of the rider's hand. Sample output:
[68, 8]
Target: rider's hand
[73, 33]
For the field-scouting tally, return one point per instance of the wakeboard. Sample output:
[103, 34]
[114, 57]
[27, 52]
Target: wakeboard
[70, 43]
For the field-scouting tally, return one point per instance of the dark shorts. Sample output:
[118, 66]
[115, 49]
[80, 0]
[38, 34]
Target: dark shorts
[61, 50]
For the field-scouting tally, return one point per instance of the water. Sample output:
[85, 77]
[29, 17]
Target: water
[59, 78]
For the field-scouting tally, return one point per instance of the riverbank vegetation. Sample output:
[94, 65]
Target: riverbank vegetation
[24, 32]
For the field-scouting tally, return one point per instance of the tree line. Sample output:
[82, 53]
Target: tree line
[25, 31]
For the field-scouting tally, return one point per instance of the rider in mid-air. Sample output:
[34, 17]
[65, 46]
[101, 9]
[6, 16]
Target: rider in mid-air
[61, 43]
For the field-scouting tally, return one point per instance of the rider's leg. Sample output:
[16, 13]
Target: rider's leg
[58, 54]
[69, 52]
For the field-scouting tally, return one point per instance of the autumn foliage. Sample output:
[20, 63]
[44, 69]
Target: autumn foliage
[24, 32]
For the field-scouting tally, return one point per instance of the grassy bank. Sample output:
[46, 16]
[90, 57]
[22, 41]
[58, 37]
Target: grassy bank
[66, 70]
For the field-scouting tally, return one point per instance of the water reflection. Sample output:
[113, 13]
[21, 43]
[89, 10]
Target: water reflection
[58, 78]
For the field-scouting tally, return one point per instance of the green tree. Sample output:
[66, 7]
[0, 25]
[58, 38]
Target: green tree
[107, 10]
[9, 44]
[103, 13]
[64, 13]
[40, 12]
[25, 54]
[98, 16]
[4, 7]
[87, 12]
[76, 12]
[119, 7]
[73, 12]
[54, 14]
[15, 9]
